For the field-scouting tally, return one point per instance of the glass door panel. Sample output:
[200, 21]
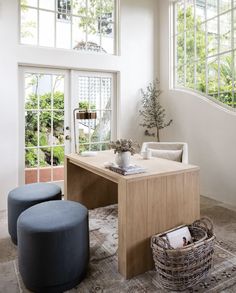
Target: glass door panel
[45, 110]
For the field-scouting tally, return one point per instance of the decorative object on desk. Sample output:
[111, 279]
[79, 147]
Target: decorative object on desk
[129, 170]
[152, 112]
[146, 154]
[182, 268]
[124, 149]
[85, 111]
[88, 154]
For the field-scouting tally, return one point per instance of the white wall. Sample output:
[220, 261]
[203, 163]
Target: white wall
[210, 130]
[137, 66]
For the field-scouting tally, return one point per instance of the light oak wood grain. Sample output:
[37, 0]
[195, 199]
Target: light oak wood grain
[164, 197]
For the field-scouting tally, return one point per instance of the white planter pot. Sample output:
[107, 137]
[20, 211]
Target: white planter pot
[123, 159]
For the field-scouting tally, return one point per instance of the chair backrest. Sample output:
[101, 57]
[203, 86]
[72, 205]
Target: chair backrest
[164, 147]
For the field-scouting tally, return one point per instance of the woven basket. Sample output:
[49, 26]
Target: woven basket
[182, 268]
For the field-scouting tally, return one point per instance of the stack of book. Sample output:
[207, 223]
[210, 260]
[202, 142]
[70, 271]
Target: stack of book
[131, 169]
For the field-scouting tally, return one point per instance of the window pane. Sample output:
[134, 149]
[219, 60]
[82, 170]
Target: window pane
[226, 79]
[190, 46]
[95, 147]
[225, 32]
[44, 91]
[200, 11]
[96, 129]
[224, 5]
[201, 41]
[180, 75]
[63, 8]
[180, 49]
[32, 3]
[201, 77]
[31, 128]
[31, 160]
[45, 137]
[83, 89]
[63, 33]
[190, 75]
[180, 16]
[212, 37]
[79, 7]
[94, 9]
[79, 34]
[213, 77]
[31, 93]
[234, 27]
[58, 92]
[94, 92]
[107, 10]
[107, 31]
[45, 157]
[47, 4]
[105, 126]
[29, 26]
[58, 156]
[58, 127]
[93, 39]
[84, 147]
[189, 15]
[212, 8]
[46, 28]
[106, 93]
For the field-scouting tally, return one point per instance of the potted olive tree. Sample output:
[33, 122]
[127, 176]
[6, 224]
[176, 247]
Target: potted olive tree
[152, 113]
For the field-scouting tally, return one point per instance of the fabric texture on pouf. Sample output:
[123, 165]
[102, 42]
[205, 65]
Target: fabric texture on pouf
[53, 245]
[23, 197]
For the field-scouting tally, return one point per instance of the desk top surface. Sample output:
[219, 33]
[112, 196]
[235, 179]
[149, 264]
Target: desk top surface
[154, 166]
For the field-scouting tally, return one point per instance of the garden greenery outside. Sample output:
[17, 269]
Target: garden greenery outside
[198, 63]
[44, 120]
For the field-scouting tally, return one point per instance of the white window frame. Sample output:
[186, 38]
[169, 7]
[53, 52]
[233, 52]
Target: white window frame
[115, 22]
[173, 47]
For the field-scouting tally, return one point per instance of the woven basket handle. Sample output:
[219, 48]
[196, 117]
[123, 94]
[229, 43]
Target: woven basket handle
[161, 242]
[205, 223]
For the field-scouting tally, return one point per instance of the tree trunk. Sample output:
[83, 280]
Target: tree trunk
[158, 135]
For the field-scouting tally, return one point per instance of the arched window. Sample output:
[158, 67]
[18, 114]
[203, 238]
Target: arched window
[205, 48]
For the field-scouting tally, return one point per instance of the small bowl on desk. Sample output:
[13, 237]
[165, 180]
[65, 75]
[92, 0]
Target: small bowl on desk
[146, 155]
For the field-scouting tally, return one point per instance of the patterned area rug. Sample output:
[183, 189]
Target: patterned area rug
[102, 274]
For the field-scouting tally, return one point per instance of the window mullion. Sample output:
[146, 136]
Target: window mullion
[195, 46]
[232, 48]
[218, 59]
[185, 43]
[206, 51]
[38, 126]
[55, 25]
[38, 23]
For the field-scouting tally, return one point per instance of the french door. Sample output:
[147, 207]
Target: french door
[94, 91]
[49, 98]
[46, 121]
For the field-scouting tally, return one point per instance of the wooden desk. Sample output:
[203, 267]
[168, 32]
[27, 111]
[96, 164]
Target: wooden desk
[167, 195]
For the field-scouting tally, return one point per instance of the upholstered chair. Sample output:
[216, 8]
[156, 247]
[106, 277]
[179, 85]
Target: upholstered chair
[175, 151]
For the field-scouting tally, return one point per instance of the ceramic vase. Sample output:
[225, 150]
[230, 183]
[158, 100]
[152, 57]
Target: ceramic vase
[123, 159]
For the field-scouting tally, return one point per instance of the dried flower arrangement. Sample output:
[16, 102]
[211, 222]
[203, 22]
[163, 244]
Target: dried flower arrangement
[124, 145]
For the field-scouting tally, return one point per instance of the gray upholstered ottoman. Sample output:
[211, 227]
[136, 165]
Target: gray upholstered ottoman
[53, 245]
[21, 198]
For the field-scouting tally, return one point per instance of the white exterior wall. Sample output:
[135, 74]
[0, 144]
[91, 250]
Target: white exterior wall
[209, 129]
[137, 66]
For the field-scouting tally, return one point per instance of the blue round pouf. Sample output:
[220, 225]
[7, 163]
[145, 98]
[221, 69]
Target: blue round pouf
[23, 197]
[53, 245]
